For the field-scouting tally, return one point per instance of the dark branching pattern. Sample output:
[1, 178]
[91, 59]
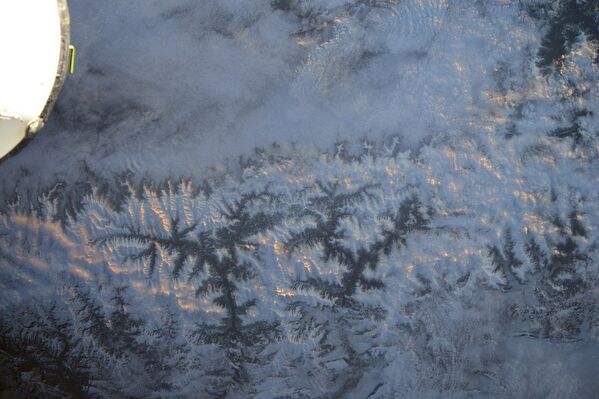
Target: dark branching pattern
[218, 269]
[467, 267]
[569, 20]
[328, 209]
[361, 305]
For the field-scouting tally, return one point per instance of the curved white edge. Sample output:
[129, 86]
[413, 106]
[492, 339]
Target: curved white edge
[30, 44]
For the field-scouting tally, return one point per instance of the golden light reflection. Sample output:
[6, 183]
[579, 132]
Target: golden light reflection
[486, 163]
[524, 196]
[548, 159]
[189, 306]
[391, 171]
[432, 181]
[533, 223]
[452, 155]
[164, 287]
[307, 266]
[284, 292]
[142, 214]
[117, 268]
[35, 262]
[139, 286]
[54, 229]
[81, 273]
[158, 210]
[278, 248]
[442, 212]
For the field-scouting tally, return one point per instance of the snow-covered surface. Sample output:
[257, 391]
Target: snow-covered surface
[425, 225]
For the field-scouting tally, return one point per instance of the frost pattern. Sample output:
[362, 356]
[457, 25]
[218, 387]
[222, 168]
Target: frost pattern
[464, 267]
[385, 274]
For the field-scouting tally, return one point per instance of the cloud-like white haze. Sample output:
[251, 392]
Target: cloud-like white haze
[168, 88]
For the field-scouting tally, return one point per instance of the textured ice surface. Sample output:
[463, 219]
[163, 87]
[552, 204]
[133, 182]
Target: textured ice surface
[424, 227]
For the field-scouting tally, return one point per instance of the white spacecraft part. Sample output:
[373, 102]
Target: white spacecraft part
[36, 58]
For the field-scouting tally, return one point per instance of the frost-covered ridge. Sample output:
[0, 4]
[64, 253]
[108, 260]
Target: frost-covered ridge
[314, 276]
[453, 253]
